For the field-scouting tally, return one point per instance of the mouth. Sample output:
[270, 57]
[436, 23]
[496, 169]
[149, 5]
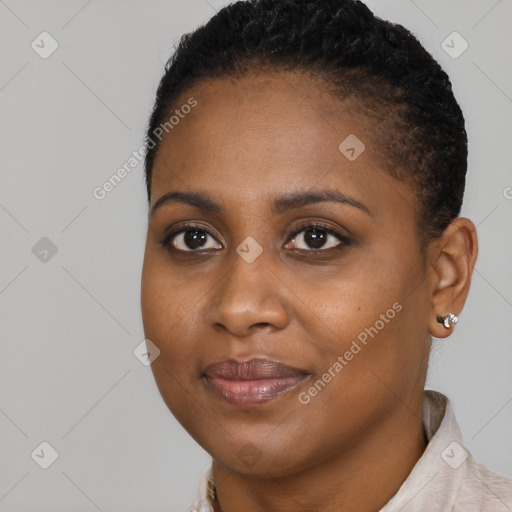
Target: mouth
[253, 382]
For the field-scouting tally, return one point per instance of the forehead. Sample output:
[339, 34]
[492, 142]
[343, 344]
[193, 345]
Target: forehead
[285, 121]
[256, 137]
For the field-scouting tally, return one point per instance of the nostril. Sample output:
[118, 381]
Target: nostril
[261, 324]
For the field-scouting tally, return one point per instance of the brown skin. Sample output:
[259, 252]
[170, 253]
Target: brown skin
[352, 446]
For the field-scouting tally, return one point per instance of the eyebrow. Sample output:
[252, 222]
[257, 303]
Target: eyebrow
[279, 205]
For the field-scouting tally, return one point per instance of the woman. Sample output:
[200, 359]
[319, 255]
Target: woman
[305, 171]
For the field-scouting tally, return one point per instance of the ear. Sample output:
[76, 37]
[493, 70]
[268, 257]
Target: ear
[452, 259]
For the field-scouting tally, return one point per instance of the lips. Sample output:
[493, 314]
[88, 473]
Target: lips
[252, 382]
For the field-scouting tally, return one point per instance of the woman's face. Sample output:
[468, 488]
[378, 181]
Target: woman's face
[344, 306]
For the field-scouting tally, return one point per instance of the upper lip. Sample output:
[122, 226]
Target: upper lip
[253, 369]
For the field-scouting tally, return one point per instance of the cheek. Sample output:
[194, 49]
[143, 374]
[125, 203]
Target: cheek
[349, 305]
[166, 316]
[364, 318]
[383, 352]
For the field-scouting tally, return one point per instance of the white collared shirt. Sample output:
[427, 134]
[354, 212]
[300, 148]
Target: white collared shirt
[445, 479]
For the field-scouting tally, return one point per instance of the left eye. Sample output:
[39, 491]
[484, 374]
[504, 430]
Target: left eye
[316, 236]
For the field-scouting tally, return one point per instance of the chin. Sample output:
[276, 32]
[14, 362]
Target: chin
[263, 458]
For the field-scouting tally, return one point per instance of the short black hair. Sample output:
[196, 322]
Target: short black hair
[418, 125]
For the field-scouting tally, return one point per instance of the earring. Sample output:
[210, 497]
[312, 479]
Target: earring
[450, 317]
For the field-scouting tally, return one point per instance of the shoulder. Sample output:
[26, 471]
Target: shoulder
[482, 490]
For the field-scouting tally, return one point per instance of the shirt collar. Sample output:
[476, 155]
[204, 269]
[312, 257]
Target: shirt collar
[434, 478]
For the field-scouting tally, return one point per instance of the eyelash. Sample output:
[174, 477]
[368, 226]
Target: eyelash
[306, 226]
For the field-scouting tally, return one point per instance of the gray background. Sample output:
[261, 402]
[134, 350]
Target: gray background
[69, 324]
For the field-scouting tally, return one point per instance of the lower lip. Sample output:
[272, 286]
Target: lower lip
[252, 392]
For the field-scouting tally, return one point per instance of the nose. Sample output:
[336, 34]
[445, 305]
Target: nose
[249, 296]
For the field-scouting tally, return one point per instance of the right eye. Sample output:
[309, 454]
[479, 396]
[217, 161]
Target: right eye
[188, 238]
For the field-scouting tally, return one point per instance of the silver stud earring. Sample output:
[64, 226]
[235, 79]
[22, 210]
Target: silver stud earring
[450, 317]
